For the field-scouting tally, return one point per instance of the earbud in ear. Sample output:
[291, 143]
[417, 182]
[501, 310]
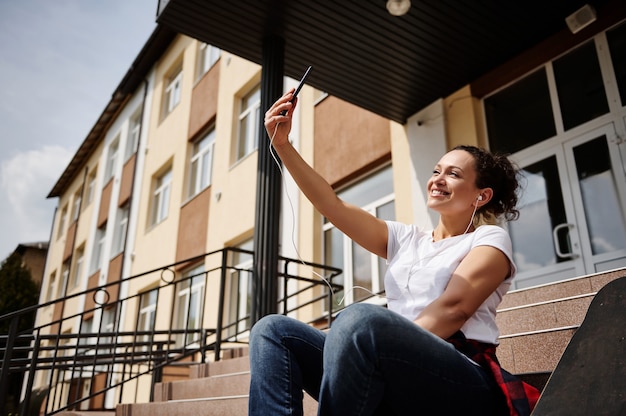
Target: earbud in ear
[480, 197]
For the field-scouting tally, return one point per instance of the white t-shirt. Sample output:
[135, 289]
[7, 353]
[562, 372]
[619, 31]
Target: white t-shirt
[419, 270]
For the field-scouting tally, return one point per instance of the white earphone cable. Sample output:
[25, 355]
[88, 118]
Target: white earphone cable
[293, 214]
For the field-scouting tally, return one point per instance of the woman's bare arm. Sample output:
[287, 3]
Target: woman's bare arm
[358, 224]
[475, 279]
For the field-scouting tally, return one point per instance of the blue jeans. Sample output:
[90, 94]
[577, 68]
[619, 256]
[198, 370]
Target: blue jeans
[371, 362]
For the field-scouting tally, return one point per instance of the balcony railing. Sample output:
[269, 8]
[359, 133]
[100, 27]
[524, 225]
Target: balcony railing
[95, 358]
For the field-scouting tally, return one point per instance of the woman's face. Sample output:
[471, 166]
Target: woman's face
[452, 186]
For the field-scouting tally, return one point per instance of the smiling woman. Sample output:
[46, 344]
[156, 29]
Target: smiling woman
[438, 335]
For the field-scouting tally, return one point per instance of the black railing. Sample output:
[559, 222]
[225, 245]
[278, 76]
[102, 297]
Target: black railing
[94, 359]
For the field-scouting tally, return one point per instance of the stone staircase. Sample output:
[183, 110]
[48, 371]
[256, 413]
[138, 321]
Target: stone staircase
[536, 325]
[216, 389]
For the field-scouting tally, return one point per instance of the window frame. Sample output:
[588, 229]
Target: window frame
[132, 139]
[240, 277]
[76, 204]
[91, 186]
[146, 315]
[65, 277]
[79, 264]
[161, 195]
[121, 226]
[111, 161]
[173, 90]
[248, 123]
[347, 245]
[192, 284]
[97, 258]
[202, 155]
[51, 286]
[63, 216]
[208, 55]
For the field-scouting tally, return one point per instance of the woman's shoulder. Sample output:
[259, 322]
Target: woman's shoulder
[492, 233]
[490, 229]
[403, 228]
[401, 231]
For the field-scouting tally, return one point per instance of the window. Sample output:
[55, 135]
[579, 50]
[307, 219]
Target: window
[78, 267]
[91, 185]
[65, 274]
[508, 112]
[76, 204]
[563, 94]
[207, 57]
[111, 160]
[190, 303]
[147, 314]
[580, 86]
[201, 163]
[240, 293]
[51, 284]
[363, 271]
[249, 119]
[86, 329]
[132, 140]
[62, 222]
[108, 324]
[121, 225]
[98, 248]
[161, 197]
[173, 91]
[108, 320]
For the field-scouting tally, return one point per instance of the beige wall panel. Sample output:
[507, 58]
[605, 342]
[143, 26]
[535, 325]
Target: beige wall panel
[155, 245]
[233, 186]
[233, 208]
[193, 226]
[402, 173]
[348, 140]
[69, 241]
[105, 201]
[463, 125]
[115, 268]
[204, 101]
[126, 184]
[92, 282]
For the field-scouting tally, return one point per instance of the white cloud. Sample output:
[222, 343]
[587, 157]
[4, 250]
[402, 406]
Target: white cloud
[59, 65]
[25, 181]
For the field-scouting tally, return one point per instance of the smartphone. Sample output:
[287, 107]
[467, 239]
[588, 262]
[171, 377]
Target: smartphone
[295, 93]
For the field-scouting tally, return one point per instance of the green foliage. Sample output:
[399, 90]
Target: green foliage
[17, 291]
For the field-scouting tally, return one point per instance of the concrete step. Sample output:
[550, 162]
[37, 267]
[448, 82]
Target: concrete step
[231, 365]
[225, 406]
[589, 284]
[234, 405]
[546, 315]
[236, 384]
[533, 352]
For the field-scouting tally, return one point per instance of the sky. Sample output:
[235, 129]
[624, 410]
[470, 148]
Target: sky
[60, 62]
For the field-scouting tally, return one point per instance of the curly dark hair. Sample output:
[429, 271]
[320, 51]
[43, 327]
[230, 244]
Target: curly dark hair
[497, 172]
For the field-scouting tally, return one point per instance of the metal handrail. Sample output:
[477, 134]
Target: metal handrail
[109, 360]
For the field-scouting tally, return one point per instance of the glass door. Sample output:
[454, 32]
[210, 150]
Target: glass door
[572, 218]
[599, 198]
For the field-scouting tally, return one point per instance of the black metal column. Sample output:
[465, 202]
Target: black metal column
[268, 192]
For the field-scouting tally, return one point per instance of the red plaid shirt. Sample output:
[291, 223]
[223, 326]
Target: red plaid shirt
[521, 397]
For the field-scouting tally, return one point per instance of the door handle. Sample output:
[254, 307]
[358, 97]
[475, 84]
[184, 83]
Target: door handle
[557, 246]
